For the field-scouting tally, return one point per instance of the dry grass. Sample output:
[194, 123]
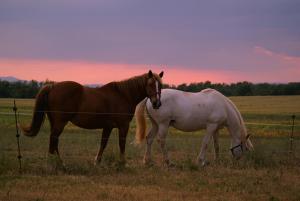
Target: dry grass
[269, 173]
[211, 183]
[268, 104]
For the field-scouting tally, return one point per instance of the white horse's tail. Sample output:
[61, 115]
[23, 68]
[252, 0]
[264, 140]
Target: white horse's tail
[141, 125]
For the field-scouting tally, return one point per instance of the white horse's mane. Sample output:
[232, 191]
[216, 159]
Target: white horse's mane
[233, 106]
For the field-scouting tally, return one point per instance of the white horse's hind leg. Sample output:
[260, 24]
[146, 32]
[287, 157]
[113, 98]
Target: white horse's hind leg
[210, 131]
[162, 134]
[149, 139]
[216, 144]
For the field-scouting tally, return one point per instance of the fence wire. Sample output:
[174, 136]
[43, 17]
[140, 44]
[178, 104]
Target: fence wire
[131, 114]
[196, 141]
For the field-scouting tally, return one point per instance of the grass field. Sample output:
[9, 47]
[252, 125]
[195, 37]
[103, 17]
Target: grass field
[268, 173]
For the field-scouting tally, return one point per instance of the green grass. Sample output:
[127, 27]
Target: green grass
[269, 173]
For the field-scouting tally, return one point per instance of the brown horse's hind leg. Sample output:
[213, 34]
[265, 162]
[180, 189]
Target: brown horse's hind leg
[57, 126]
[122, 141]
[56, 130]
[105, 135]
[54, 139]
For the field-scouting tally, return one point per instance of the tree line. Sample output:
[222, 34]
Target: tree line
[29, 89]
[243, 88]
[21, 89]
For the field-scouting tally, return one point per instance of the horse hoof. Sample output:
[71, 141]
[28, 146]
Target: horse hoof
[170, 165]
[120, 165]
[97, 162]
[148, 163]
[204, 163]
[146, 160]
[56, 166]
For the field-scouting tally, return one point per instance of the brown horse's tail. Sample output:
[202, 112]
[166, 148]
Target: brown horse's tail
[140, 121]
[41, 104]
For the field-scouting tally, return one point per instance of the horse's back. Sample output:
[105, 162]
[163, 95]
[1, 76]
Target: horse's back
[100, 100]
[101, 107]
[65, 95]
[190, 111]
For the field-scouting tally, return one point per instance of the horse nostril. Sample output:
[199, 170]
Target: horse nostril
[156, 104]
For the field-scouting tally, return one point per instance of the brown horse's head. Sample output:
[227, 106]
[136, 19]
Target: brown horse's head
[153, 88]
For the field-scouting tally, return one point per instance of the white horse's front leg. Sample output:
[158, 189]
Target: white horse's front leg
[162, 134]
[149, 139]
[216, 144]
[210, 130]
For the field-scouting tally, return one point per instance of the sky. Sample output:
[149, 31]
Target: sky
[98, 41]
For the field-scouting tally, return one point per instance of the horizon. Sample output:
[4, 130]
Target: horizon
[171, 85]
[102, 41]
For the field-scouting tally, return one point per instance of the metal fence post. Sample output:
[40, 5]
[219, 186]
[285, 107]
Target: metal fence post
[18, 136]
[292, 135]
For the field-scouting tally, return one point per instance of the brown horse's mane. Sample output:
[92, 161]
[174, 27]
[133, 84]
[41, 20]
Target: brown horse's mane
[137, 82]
[134, 85]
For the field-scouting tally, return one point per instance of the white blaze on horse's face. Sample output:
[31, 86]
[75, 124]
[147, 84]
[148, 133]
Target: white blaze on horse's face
[154, 94]
[154, 90]
[157, 92]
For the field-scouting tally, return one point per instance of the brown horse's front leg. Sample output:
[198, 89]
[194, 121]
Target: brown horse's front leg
[53, 145]
[123, 130]
[105, 135]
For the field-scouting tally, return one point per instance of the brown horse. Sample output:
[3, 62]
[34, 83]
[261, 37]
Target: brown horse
[110, 106]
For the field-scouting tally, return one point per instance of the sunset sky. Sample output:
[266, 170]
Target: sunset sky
[98, 41]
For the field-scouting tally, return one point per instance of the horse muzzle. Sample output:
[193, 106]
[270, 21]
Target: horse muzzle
[156, 105]
[237, 151]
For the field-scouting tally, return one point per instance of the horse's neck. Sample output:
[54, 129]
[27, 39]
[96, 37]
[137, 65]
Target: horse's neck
[235, 124]
[133, 90]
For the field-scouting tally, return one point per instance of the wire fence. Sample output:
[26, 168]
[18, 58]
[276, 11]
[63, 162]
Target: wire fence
[290, 151]
[132, 114]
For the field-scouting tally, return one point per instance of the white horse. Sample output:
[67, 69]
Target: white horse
[208, 109]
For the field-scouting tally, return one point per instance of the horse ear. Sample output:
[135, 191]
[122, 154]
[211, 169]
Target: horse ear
[247, 136]
[150, 74]
[161, 74]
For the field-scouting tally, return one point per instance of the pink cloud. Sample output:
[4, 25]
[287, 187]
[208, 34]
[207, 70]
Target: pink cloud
[263, 51]
[289, 61]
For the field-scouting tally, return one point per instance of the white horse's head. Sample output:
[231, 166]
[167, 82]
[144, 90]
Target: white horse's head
[244, 145]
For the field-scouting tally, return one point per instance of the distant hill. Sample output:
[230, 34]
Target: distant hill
[9, 79]
[93, 85]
